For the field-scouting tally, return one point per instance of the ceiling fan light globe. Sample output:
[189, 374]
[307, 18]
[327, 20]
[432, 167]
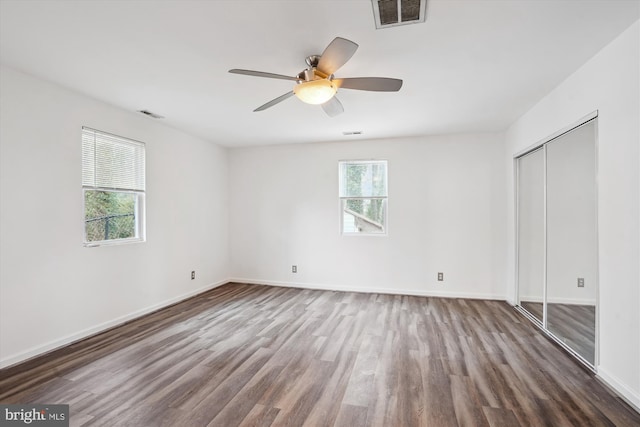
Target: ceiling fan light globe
[316, 91]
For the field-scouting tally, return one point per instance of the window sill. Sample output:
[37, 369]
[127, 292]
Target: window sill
[365, 234]
[114, 242]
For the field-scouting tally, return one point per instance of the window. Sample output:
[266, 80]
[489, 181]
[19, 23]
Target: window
[113, 170]
[363, 197]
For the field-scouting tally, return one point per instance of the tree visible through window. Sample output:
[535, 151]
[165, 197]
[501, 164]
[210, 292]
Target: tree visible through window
[363, 196]
[109, 215]
[113, 170]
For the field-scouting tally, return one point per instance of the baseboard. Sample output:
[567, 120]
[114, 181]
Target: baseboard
[567, 301]
[630, 396]
[572, 301]
[70, 339]
[536, 299]
[372, 290]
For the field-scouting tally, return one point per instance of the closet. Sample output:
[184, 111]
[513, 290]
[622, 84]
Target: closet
[557, 275]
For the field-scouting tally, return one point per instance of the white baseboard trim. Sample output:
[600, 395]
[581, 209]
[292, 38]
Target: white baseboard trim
[632, 397]
[567, 301]
[572, 301]
[393, 291]
[80, 335]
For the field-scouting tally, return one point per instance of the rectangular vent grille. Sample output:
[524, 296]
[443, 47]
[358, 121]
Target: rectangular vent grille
[391, 13]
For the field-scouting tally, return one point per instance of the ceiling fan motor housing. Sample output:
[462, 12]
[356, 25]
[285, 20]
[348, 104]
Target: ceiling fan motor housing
[311, 74]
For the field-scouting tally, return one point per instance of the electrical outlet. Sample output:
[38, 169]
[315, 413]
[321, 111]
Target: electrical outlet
[440, 277]
[294, 268]
[581, 282]
[193, 275]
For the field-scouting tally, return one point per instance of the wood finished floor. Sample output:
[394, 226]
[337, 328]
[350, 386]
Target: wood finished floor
[247, 355]
[574, 324]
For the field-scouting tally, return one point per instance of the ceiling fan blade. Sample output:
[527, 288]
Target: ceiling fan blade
[333, 107]
[263, 74]
[377, 84]
[336, 55]
[274, 101]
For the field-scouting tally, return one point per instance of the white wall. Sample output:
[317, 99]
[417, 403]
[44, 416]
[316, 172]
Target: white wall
[609, 83]
[52, 289]
[446, 214]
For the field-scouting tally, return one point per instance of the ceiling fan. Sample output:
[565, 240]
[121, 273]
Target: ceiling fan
[317, 85]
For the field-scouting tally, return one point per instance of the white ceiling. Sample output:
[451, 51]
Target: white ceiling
[473, 66]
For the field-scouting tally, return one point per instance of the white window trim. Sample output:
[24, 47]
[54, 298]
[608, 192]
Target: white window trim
[140, 225]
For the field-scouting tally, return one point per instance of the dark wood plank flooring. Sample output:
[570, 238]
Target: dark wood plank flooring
[534, 308]
[574, 324]
[247, 355]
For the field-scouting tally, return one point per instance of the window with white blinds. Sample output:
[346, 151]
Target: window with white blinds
[112, 162]
[113, 183]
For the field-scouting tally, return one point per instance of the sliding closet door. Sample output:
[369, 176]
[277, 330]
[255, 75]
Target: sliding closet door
[571, 239]
[531, 250]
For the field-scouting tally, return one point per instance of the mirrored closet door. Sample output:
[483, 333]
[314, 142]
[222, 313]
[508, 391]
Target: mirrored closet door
[557, 238]
[531, 232]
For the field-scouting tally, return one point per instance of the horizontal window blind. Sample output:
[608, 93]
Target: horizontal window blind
[112, 162]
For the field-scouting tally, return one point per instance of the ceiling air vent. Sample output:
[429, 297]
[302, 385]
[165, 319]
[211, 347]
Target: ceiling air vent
[150, 114]
[391, 13]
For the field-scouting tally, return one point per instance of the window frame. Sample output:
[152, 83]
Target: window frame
[342, 199]
[140, 195]
[139, 217]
